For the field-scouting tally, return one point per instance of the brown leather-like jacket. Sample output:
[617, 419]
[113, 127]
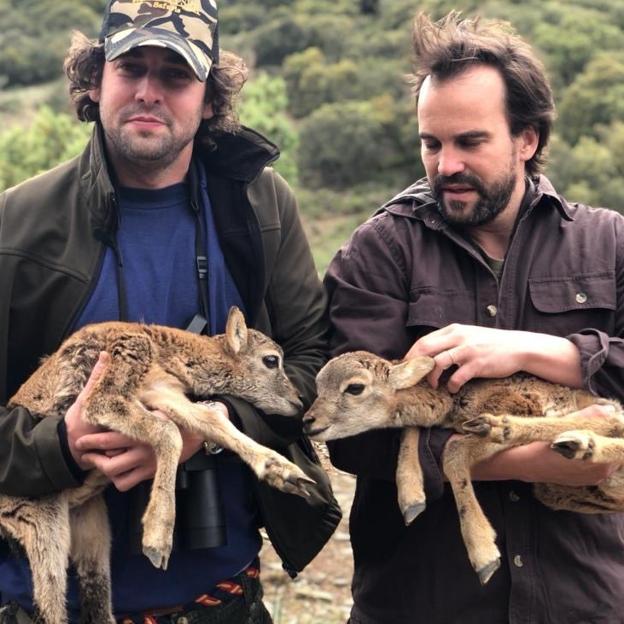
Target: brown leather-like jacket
[404, 273]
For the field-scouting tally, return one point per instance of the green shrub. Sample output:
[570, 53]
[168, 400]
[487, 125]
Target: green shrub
[49, 140]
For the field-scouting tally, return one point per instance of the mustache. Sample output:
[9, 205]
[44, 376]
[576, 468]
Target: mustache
[152, 111]
[464, 179]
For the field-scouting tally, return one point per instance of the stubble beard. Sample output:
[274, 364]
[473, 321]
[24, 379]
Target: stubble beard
[146, 149]
[491, 200]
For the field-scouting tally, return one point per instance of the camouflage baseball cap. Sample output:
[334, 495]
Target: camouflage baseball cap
[188, 27]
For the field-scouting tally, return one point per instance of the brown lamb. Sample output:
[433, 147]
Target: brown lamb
[360, 391]
[150, 368]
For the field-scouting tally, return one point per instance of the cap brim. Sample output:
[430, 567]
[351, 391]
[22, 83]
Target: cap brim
[124, 41]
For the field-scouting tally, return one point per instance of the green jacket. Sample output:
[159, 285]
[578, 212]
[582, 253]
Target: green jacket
[54, 230]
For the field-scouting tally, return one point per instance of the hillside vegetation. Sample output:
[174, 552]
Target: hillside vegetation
[329, 86]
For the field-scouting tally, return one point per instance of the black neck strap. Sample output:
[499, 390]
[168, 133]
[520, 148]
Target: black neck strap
[200, 321]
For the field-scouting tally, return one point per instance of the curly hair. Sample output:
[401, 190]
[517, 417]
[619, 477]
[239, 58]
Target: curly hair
[450, 46]
[84, 64]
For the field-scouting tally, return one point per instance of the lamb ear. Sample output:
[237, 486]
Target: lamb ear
[236, 330]
[410, 372]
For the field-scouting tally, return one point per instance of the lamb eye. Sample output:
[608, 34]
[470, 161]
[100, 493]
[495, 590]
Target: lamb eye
[271, 361]
[355, 389]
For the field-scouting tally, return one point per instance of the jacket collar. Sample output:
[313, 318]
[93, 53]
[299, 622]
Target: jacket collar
[417, 202]
[241, 156]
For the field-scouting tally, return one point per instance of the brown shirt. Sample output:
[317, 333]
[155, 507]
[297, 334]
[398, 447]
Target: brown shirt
[404, 273]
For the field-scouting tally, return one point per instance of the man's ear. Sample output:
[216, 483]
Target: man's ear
[527, 146]
[94, 94]
[208, 112]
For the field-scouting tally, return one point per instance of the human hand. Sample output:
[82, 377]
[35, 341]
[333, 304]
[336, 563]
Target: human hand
[495, 353]
[127, 462]
[538, 463]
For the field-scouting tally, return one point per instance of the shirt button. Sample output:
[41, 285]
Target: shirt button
[182, 620]
[513, 497]
[518, 561]
[581, 297]
[491, 310]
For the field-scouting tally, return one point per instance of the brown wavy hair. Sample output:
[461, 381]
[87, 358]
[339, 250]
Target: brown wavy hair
[84, 64]
[448, 47]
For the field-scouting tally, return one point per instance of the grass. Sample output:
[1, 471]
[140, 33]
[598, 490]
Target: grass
[327, 235]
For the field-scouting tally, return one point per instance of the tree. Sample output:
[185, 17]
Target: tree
[36, 35]
[278, 38]
[311, 82]
[573, 39]
[592, 171]
[263, 108]
[49, 140]
[341, 145]
[594, 99]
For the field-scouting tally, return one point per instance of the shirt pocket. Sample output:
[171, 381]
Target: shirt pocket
[565, 305]
[432, 309]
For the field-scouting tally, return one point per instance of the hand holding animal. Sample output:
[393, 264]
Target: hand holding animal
[151, 368]
[359, 391]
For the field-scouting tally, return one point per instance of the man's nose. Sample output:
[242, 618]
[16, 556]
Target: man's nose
[149, 90]
[450, 162]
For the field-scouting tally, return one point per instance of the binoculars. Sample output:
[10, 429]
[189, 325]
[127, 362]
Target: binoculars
[200, 519]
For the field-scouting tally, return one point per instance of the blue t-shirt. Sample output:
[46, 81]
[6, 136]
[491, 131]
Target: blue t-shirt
[156, 240]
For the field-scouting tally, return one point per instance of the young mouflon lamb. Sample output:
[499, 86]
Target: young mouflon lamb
[150, 368]
[360, 391]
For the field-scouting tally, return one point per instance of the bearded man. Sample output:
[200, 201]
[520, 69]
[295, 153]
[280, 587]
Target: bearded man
[485, 268]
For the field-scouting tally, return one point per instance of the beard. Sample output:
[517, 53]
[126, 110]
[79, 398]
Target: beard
[149, 149]
[492, 199]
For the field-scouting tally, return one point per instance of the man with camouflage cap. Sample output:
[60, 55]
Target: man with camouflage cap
[170, 216]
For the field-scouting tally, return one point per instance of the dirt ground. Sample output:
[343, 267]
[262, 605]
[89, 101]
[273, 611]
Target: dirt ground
[321, 594]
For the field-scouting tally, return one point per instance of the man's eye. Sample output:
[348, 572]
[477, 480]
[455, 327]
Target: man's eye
[430, 147]
[177, 75]
[355, 389]
[131, 69]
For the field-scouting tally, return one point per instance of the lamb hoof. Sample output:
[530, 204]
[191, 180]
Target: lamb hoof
[486, 572]
[574, 446]
[412, 512]
[478, 426]
[299, 485]
[156, 556]
[286, 476]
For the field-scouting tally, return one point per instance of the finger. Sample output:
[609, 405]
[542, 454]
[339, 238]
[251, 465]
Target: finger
[132, 459]
[433, 378]
[598, 411]
[464, 373]
[114, 452]
[431, 344]
[106, 465]
[458, 379]
[104, 441]
[101, 366]
[443, 361]
[130, 479]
